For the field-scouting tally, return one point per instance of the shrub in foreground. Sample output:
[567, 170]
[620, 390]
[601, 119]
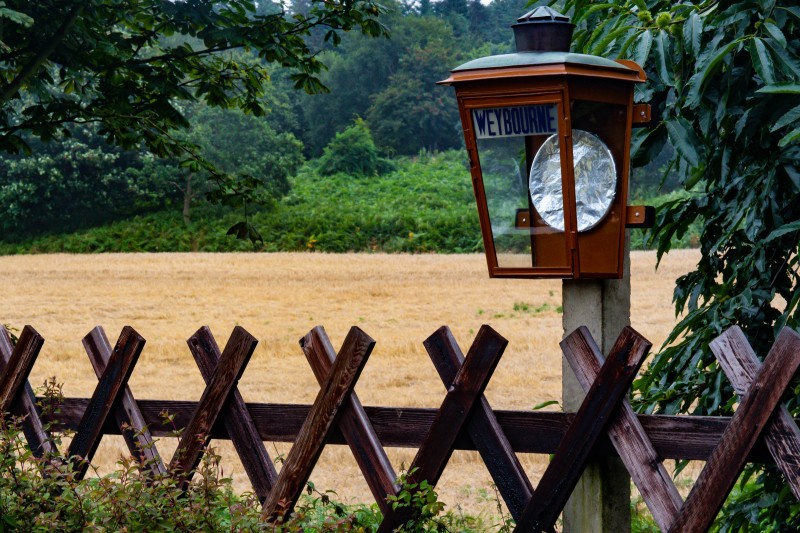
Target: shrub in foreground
[42, 494]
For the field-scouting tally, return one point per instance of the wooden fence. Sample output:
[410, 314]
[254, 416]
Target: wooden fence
[761, 430]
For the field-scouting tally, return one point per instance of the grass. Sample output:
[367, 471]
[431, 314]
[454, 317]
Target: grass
[398, 299]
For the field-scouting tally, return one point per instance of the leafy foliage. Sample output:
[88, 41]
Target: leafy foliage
[127, 65]
[42, 494]
[352, 152]
[424, 205]
[391, 83]
[81, 181]
[410, 113]
[724, 81]
[247, 146]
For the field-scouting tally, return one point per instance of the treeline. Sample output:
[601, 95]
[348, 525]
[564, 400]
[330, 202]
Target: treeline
[383, 89]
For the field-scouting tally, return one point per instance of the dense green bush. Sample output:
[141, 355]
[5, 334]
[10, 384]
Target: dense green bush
[42, 495]
[353, 151]
[78, 182]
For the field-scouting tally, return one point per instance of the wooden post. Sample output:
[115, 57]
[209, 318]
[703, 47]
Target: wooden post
[601, 500]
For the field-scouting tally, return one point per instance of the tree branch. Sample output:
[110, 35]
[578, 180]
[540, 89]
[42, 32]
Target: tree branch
[45, 52]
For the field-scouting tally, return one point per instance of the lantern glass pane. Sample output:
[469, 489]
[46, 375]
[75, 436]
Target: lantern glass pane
[506, 140]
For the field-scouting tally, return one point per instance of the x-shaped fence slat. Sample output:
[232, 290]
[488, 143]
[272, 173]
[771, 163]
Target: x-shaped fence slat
[195, 436]
[782, 436]
[311, 439]
[127, 414]
[19, 366]
[483, 427]
[109, 388]
[626, 434]
[464, 392]
[572, 454]
[727, 460]
[353, 422]
[236, 418]
[25, 405]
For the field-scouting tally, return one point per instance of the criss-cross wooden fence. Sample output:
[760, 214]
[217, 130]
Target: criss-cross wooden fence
[761, 429]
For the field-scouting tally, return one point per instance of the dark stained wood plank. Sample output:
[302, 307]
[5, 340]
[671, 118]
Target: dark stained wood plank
[321, 418]
[353, 422]
[627, 435]
[18, 368]
[126, 413]
[106, 394]
[466, 389]
[601, 402]
[24, 406]
[782, 436]
[196, 434]
[674, 437]
[237, 420]
[483, 427]
[726, 462]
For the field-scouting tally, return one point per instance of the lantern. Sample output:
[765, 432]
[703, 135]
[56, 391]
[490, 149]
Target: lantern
[548, 135]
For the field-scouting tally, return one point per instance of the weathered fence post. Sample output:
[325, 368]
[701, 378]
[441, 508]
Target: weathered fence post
[601, 501]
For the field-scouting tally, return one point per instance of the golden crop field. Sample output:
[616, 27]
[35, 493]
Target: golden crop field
[397, 299]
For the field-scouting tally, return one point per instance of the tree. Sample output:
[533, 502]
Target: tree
[79, 182]
[352, 151]
[359, 68]
[412, 113]
[238, 143]
[109, 62]
[724, 82]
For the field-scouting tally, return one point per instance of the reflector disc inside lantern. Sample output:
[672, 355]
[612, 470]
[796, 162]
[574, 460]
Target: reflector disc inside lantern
[595, 180]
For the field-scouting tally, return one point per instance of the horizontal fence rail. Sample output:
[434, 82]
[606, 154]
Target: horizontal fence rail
[761, 430]
[540, 432]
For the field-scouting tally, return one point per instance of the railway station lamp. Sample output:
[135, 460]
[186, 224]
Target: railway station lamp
[548, 136]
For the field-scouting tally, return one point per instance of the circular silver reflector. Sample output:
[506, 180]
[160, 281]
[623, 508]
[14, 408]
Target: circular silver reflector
[595, 180]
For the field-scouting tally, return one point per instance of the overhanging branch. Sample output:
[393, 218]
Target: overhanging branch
[30, 69]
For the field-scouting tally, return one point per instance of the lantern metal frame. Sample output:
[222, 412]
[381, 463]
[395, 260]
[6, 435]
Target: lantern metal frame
[560, 78]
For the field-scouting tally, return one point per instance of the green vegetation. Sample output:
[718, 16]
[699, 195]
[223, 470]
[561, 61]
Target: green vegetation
[353, 152]
[41, 495]
[425, 204]
[133, 67]
[723, 78]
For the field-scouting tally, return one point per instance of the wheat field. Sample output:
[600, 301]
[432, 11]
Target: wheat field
[397, 299]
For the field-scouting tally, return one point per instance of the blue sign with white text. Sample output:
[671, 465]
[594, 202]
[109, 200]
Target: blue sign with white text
[515, 121]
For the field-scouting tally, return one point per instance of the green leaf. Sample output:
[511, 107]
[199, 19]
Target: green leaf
[762, 62]
[15, 16]
[542, 405]
[783, 230]
[790, 116]
[789, 138]
[586, 13]
[786, 63]
[776, 33]
[700, 80]
[601, 47]
[684, 140]
[793, 10]
[629, 42]
[641, 51]
[692, 32]
[662, 51]
[780, 88]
